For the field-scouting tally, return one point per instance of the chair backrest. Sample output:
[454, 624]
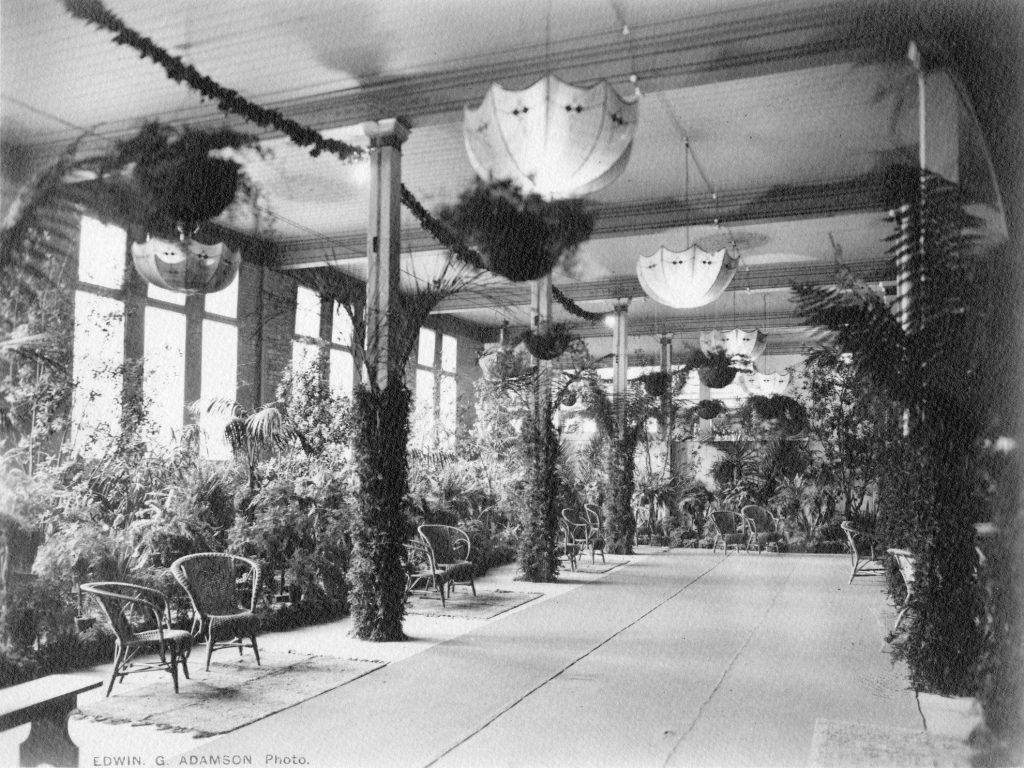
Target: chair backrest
[445, 542]
[593, 513]
[120, 600]
[906, 562]
[760, 516]
[210, 580]
[724, 519]
[851, 536]
[419, 556]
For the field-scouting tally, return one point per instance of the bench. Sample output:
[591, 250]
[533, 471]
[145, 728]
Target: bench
[46, 703]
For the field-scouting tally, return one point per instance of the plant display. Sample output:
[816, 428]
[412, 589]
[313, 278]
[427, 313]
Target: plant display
[716, 369]
[548, 345]
[939, 366]
[521, 237]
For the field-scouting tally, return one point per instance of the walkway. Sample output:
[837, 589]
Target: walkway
[680, 658]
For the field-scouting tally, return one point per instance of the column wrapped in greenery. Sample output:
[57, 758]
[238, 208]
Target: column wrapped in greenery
[376, 576]
[539, 516]
[620, 522]
[936, 362]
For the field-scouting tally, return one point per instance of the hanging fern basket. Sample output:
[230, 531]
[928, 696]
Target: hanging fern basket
[656, 383]
[520, 237]
[716, 376]
[709, 409]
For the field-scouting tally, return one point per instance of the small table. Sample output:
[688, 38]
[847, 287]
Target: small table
[46, 703]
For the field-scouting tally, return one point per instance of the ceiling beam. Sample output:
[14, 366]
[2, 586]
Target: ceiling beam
[760, 278]
[866, 193]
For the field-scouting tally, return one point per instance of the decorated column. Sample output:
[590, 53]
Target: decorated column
[537, 557]
[620, 344]
[381, 408]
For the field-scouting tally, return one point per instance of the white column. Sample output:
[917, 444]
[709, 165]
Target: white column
[620, 343]
[383, 246]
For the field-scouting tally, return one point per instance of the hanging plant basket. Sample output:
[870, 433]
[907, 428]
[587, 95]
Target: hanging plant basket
[186, 266]
[709, 409]
[779, 407]
[175, 182]
[656, 383]
[569, 398]
[716, 376]
[520, 237]
[548, 346]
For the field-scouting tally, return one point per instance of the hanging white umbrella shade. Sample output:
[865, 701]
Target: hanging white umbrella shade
[691, 278]
[555, 139]
[737, 343]
[186, 266]
[765, 384]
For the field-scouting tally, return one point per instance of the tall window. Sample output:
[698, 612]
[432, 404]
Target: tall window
[219, 363]
[306, 342]
[436, 388]
[342, 375]
[98, 333]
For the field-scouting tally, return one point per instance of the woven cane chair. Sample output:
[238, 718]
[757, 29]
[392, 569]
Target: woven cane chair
[862, 551]
[761, 531]
[449, 546]
[595, 533]
[422, 572]
[211, 581]
[571, 546]
[129, 605]
[906, 562]
[723, 530]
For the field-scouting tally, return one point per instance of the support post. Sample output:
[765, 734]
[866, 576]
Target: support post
[383, 247]
[668, 410]
[540, 322]
[620, 339]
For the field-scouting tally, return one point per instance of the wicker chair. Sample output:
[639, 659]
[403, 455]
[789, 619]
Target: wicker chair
[862, 551]
[421, 570]
[449, 547]
[571, 546]
[723, 530]
[121, 603]
[595, 533]
[906, 562]
[211, 581]
[761, 529]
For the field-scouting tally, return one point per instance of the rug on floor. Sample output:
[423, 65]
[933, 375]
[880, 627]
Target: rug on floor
[598, 567]
[837, 744]
[235, 692]
[463, 605]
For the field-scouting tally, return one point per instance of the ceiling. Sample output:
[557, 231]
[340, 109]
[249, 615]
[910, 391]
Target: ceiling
[793, 110]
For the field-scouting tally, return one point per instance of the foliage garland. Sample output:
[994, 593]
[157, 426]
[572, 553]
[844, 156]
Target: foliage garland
[95, 12]
[228, 100]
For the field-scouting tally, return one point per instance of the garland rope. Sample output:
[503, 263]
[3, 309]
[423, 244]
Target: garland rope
[228, 100]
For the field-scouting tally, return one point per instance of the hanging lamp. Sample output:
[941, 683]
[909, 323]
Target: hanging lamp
[766, 384]
[692, 277]
[554, 139]
[737, 343]
[186, 265]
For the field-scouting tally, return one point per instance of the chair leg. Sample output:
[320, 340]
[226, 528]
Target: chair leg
[184, 663]
[118, 658]
[472, 585]
[209, 650]
[899, 618]
[255, 648]
[173, 661]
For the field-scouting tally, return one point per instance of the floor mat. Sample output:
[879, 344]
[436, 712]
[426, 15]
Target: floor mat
[232, 694]
[463, 605]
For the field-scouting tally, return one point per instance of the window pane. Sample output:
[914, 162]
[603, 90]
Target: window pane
[101, 253]
[425, 392]
[97, 357]
[449, 353]
[220, 360]
[164, 371]
[447, 407]
[426, 350]
[341, 374]
[342, 332]
[307, 313]
[225, 301]
[304, 355]
[162, 294]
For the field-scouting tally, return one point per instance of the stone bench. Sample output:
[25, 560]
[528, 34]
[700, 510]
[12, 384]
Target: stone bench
[46, 703]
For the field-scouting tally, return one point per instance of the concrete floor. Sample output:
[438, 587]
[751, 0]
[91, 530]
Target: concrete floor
[677, 658]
